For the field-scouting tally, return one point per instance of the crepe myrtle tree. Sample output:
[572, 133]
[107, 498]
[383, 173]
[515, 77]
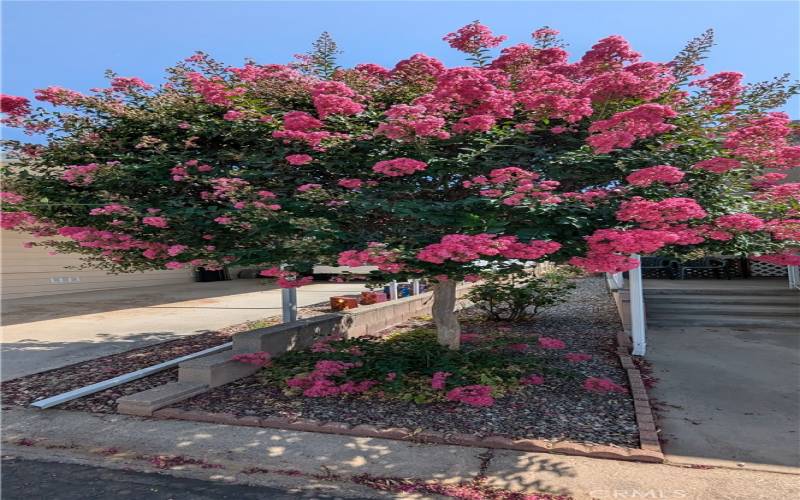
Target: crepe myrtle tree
[420, 170]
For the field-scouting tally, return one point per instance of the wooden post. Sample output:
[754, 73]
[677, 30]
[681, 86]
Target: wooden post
[638, 324]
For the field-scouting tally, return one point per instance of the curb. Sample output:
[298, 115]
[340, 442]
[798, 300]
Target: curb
[428, 437]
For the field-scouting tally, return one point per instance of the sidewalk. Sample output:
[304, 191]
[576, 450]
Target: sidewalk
[42, 333]
[117, 441]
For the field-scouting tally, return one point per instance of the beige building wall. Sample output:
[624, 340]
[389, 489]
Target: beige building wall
[28, 272]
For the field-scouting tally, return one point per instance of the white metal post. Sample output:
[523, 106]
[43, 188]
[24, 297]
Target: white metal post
[794, 277]
[638, 325]
[289, 304]
[393, 290]
[414, 287]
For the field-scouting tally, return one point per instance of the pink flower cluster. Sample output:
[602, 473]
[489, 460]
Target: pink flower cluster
[625, 127]
[111, 209]
[58, 96]
[287, 279]
[473, 37]
[472, 395]
[665, 174]
[718, 165]
[655, 214]
[80, 175]
[532, 379]
[723, 88]
[214, 90]
[399, 167]
[787, 258]
[350, 183]
[159, 222]
[11, 198]
[438, 380]
[181, 171]
[406, 122]
[15, 107]
[577, 357]
[763, 140]
[299, 159]
[551, 343]
[466, 248]
[253, 358]
[602, 385]
[376, 254]
[335, 98]
[742, 223]
[129, 83]
[318, 383]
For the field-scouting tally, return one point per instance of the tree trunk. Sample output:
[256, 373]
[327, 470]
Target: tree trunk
[448, 331]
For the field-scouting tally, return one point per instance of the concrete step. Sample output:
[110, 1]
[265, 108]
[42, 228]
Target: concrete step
[742, 300]
[730, 291]
[712, 320]
[657, 309]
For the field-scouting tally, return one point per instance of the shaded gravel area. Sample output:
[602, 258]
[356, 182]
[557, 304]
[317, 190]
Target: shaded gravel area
[557, 410]
[26, 390]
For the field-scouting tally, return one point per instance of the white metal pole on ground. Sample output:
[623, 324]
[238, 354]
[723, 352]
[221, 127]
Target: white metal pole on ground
[393, 290]
[125, 378]
[638, 325]
[289, 304]
[414, 287]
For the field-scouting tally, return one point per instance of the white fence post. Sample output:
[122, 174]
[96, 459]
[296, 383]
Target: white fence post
[393, 290]
[414, 287]
[289, 304]
[794, 277]
[638, 324]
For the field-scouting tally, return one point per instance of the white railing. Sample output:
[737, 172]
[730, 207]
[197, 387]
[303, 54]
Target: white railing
[794, 277]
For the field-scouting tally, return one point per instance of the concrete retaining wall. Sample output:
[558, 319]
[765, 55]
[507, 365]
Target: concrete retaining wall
[200, 374]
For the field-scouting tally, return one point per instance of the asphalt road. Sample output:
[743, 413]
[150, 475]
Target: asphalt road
[24, 479]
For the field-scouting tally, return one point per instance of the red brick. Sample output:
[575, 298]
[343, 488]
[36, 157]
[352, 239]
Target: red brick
[497, 442]
[176, 413]
[531, 445]
[249, 421]
[366, 430]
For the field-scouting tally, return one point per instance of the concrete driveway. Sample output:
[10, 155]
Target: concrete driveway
[42, 333]
[728, 397]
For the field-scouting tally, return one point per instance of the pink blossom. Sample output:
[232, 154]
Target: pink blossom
[160, 222]
[350, 183]
[622, 129]
[723, 88]
[328, 104]
[308, 187]
[665, 174]
[655, 214]
[551, 343]
[472, 395]
[11, 198]
[174, 250]
[532, 379]
[718, 165]
[80, 175]
[438, 380]
[744, 223]
[473, 37]
[300, 121]
[602, 385]
[260, 358]
[399, 167]
[233, 115]
[223, 219]
[174, 265]
[577, 357]
[129, 83]
[300, 159]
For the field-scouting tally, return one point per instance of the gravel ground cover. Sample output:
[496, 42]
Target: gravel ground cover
[26, 390]
[557, 410]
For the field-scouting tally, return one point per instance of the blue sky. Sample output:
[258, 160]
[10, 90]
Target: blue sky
[70, 44]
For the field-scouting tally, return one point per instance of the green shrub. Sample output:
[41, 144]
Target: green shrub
[521, 295]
